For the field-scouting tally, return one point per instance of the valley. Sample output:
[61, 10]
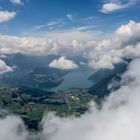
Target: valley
[31, 103]
[34, 90]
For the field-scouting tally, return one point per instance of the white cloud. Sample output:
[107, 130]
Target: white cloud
[115, 6]
[84, 28]
[4, 68]
[62, 43]
[51, 25]
[6, 16]
[19, 2]
[63, 63]
[111, 7]
[124, 43]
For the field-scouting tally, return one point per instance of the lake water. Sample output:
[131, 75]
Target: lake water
[75, 79]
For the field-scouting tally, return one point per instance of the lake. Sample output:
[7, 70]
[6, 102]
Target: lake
[75, 79]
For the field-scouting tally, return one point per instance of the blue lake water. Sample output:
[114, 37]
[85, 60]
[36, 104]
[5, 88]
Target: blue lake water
[75, 79]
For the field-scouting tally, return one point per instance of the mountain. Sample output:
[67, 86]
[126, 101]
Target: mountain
[31, 71]
[104, 77]
[24, 62]
[34, 71]
[31, 103]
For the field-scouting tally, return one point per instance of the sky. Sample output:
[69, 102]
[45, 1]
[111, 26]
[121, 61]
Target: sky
[103, 31]
[34, 16]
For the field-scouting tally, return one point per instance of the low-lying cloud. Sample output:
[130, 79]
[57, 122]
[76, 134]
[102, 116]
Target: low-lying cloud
[12, 128]
[4, 67]
[63, 63]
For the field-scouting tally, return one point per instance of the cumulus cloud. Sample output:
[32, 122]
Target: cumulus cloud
[115, 6]
[62, 43]
[4, 68]
[6, 16]
[19, 2]
[124, 43]
[63, 63]
[111, 7]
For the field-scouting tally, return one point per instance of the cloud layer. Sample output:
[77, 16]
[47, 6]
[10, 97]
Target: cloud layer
[123, 43]
[63, 63]
[67, 43]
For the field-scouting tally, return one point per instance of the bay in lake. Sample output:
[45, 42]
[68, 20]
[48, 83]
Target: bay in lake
[75, 79]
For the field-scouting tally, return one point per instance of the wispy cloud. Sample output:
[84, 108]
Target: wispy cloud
[84, 28]
[69, 22]
[51, 24]
[56, 22]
